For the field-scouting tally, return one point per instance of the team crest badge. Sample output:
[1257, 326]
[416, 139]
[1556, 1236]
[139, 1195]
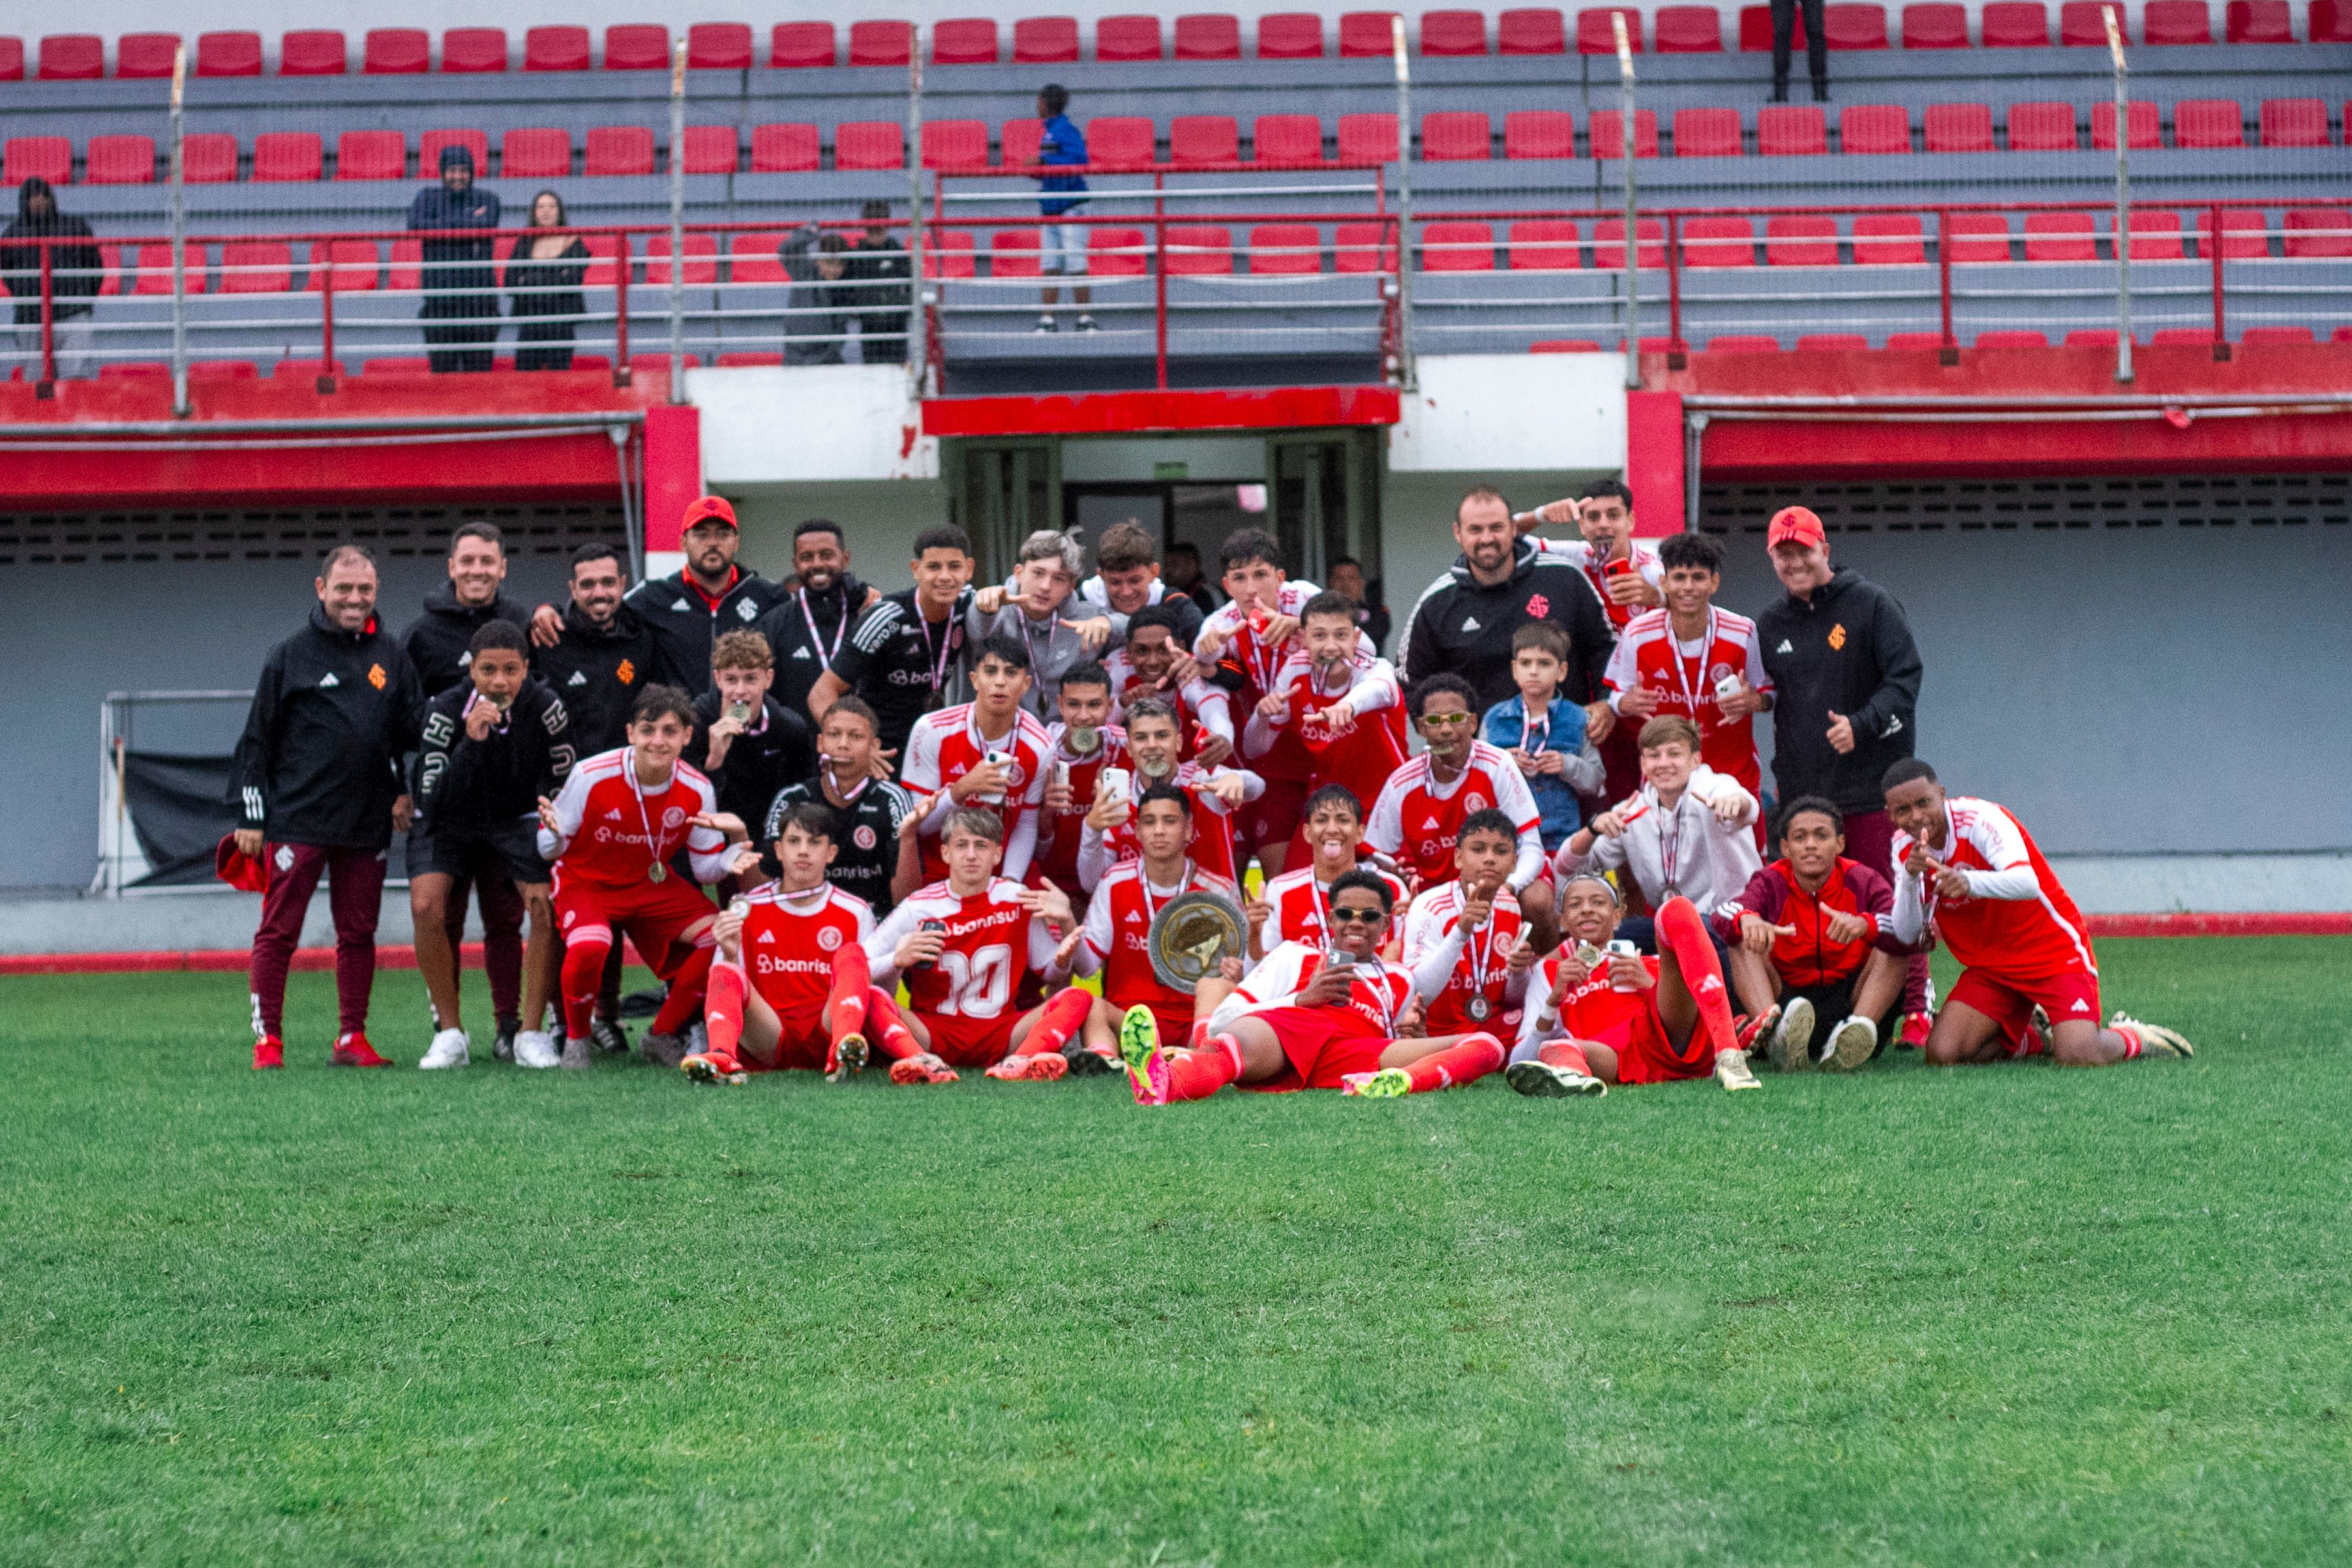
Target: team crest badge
[746, 611]
[864, 836]
[673, 816]
[1837, 635]
[376, 676]
[284, 857]
[626, 673]
[1539, 607]
[1473, 801]
[829, 938]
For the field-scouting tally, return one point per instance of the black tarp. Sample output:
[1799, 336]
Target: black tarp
[180, 807]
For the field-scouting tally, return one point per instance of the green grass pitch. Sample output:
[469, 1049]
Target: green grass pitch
[1994, 1316]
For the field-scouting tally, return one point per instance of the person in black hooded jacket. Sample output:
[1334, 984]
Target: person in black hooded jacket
[76, 272]
[461, 285]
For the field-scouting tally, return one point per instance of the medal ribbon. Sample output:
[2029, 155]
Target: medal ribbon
[1481, 953]
[816, 639]
[658, 871]
[1682, 673]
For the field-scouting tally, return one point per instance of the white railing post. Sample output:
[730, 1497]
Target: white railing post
[1626, 144]
[2122, 195]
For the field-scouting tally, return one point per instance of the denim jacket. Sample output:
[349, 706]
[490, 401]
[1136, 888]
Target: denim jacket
[1506, 727]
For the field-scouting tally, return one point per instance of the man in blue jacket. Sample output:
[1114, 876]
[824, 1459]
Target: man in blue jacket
[1064, 244]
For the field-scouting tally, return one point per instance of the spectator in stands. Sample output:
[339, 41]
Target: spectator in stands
[1817, 48]
[460, 287]
[878, 264]
[1371, 614]
[1063, 253]
[544, 271]
[1181, 573]
[76, 274]
[814, 323]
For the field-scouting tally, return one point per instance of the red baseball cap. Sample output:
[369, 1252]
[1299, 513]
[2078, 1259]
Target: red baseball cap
[708, 508]
[1794, 524]
[238, 869]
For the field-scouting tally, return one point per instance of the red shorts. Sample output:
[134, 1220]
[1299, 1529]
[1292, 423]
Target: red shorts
[656, 915]
[1645, 1054]
[1271, 818]
[1324, 1045]
[962, 1042]
[2009, 1001]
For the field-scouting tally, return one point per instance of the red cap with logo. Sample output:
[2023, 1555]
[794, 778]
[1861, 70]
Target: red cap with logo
[239, 870]
[707, 509]
[1794, 525]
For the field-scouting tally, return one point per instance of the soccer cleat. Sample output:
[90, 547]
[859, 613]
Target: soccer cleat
[924, 1068]
[848, 1059]
[1389, 1083]
[609, 1037]
[1852, 1043]
[1915, 1029]
[268, 1052]
[1747, 1031]
[502, 1044]
[536, 1049]
[1732, 1071]
[1140, 1054]
[1790, 1046]
[577, 1054]
[450, 1049]
[1087, 1062]
[714, 1067]
[1545, 1081]
[353, 1050]
[2155, 1039]
[662, 1050]
[1043, 1068]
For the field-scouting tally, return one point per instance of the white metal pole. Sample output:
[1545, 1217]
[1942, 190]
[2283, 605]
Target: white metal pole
[2122, 195]
[1408, 370]
[179, 235]
[1627, 142]
[918, 349]
[677, 223]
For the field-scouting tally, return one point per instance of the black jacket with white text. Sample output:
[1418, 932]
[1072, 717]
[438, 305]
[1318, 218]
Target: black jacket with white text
[333, 711]
[1463, 626]
[465, 786]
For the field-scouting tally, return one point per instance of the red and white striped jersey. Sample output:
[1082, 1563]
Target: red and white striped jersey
[1684, 675]
[1059, 862]
[1361, 757]
[611, 833]
[1416, 820]
[1212, 822]
[1198, 704]
[1124, 907]
[1378, 990]
[1640, 557]
[992, 941]
[1483, 970]
[1302, 906]
[2016, 919]
[944, 746]
[792, 942]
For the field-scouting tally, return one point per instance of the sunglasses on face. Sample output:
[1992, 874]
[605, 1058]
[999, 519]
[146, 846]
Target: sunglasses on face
[1446, 719]
[1357, 917]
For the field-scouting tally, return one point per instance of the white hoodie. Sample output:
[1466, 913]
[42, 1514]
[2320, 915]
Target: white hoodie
[1710, 863]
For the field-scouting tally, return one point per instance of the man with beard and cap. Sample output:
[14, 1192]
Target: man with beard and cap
[689, 608]
[76, 274]
[1464, 621]
[805, 632]
[438, 644]
[461, 286]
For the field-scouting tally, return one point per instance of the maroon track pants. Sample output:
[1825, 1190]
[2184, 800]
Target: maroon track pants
[1870, 841]
[355, 894]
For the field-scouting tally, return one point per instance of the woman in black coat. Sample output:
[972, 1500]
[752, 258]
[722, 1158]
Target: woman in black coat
[544, 271]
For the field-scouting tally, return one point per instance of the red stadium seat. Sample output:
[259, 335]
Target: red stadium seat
[1212, 36]
[538, 153]
[408, 264]
[1012, 253]
[313, 52]
[2182, 338]
[2278, 337]
[46, 158]
[1597, 35]
[2012, 338]
[2243, 234]
[1888, 239]
[747, 360]
[710, 47]
[294, 156]
[142, 55]
[1366, 35]
[1706, 133]
[1531, 31]
[1609, 244]
[714, 150]
[1199, 250]
[1452, 33]
[1457, 248]
[1755, 30]
[1124, 139]
[2206, 123]
[473, 50]
[2289, 123]
[802, 46]
[2081, 26]
[1046, 40]
[955, 144]
[1456, 136]
[429, 145]
[753, 258]
[155, 271]
[2155, 237]
[1364, 247]
[1194, 139]
[1717, 242]
[1290, 35]
[1126, 38]
[208, 158]
[785, 147]
[124, 370]
[2090, 338]
[1606, 131]
[2318, 232]
[1977, 237]
[1743, 345]
[1689, 30]
[1798, 239]
[636, 47]
[701, 259]
[1795, 130]
[2143, 126]
[1368, 138]
[256, 267]
[1936, 24]
[1116, 253]
[2258, 22]
[1544, 244]
[1287, 138]
[12, 59]
[73, 57]
[555, 49]
[1851, 25]
[951, 254]
[1831, 342]
[219, 369]
[2042, 127]
[2176, 22]
[1959, 128]
[2061, 237]
[1020, 140]
[659, 364]
[1873, 128]
[1915, 340]
[964, 41]
[397, 51]
[1539, 133]
[869, 144]
[119, 161]
[2014, 25]
[614, 149]
[1285, 249]
[881, 43]
[355, 262]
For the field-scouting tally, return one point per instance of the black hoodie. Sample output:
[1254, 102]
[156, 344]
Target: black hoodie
[437, 206]
[467, 787]
[1463, 626]
[76, 272]
[438, 641]
[333, 711]
[1847, 649]
[801, 656]
[687, 621]
[599, 671]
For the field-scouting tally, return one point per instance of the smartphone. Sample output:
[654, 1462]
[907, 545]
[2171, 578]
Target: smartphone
[939, 926]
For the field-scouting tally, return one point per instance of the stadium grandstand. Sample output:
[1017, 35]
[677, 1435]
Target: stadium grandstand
[1340, 265]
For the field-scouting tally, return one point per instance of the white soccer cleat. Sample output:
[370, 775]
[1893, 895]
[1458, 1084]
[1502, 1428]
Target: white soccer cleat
[1732, 1071]
[536, 1049]
[449, 1050]
[1790, 1046]
[1545, 1081]
[1852, 1044]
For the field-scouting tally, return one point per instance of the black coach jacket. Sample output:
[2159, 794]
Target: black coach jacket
[438, 641]
[1847, 649]
[598, 671]
[1463, 626]
[333, 713]
[687, 623]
